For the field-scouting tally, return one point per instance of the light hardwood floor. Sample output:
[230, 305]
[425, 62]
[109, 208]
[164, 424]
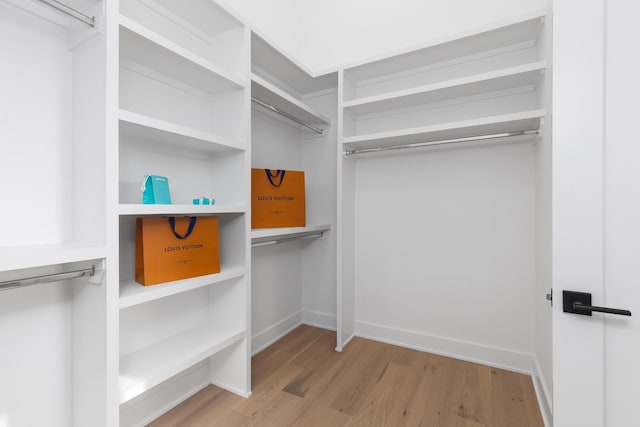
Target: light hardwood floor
[301, 381]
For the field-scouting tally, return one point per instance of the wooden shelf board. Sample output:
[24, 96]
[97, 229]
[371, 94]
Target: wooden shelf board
[154, 51]
[509, 78]
[483, 126]
[19, 257]
[146, 368]
[193, 210]
[515, 32]
[133, 293]
[141, 127]
[260, 235]
[271, 94]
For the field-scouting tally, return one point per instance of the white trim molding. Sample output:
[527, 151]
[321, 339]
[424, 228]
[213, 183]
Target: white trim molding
[463, 350]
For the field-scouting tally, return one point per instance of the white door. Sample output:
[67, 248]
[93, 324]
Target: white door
[596, 211]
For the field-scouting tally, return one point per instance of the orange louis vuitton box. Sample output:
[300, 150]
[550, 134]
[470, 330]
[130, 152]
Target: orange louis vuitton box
[170, 249]
[277, 198]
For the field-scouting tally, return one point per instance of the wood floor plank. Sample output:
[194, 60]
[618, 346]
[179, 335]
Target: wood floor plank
[531, 402]
[316, 361]
[301, 381]
[508, 400]
[322, 416]
[388, 399]
[263, 395]
[363, 376]
[475, 399]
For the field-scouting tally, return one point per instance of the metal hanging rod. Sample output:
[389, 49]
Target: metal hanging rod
[442, 141]
[287, 239]
[68, 10]
[287, 115]
[55, 277]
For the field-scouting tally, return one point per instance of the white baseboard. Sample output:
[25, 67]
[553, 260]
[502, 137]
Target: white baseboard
[273, 333]
[319, 320]
[463, 350]
[542, 393]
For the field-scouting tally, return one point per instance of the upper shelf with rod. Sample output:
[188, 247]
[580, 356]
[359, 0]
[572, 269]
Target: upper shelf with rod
[276, 100]
[523, 125]
[485, 85]
[275, 66]
[79, 17]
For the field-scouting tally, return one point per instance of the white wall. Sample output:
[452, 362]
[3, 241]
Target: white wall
[445, 251]
[32, 45]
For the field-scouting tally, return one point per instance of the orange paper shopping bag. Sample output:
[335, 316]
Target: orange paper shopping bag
[170, 249]
[277, 198]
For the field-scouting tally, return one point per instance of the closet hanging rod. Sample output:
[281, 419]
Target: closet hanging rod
[442, 142]
[287, 115]
[55, 277]
[287, 239]
[68, 10]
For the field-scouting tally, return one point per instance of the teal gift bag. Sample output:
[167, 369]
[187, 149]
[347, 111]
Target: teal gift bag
[155, 190]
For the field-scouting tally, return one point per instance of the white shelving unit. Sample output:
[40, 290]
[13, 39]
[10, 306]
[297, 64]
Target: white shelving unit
[302, 276]
[159, 88]
[183, 113]
[474, 89]
[54, 334]
[484, 82]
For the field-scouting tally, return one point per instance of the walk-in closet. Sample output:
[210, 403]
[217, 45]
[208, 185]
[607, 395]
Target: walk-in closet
[468, 239]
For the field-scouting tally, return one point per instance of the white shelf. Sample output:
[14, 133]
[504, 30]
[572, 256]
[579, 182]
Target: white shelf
[133, 293]
[143, 46]
[146, 368]
[15, 258]
[261, 235]
[515, 34]
[149, 210]
[269, 61]
[509, 78]
[526, 120]
[269, 93]
[139, 126]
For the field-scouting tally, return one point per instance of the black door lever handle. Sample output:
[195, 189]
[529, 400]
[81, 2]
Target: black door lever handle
[580, 303]
[579, 306]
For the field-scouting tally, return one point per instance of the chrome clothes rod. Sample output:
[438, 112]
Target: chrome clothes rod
[287, 115]
[55, 277]
[442, 142]
[68, 10]
[287, 239]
